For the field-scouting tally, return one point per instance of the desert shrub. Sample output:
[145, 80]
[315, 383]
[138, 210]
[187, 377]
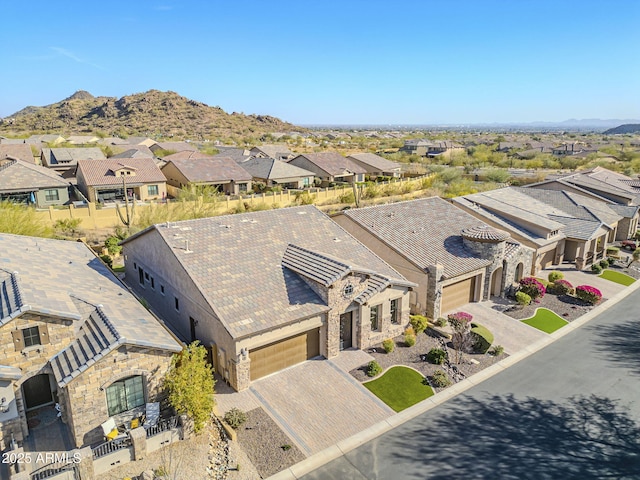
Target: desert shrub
[440, 379]
[543, 281]
[613, 251]
[483, 338]
[436, 356]
[496, 350]
[522, 298]
[441, 322]
[532, 287]
[410, 339]
[107, 259]
[555, 276]
[373, 368]
[588, 294]
[389, 345]
[112, 245]
[604, 263]
[419, 323]
[347, 197]
[235, 418]
[596, 268]
[560, 287]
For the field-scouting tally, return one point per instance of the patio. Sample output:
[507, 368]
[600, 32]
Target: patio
[47, 433]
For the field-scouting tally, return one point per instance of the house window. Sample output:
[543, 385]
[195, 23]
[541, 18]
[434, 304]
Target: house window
[306, 182]
[374, 316]
[51, 195]
[242, 187]
[125, 395]
[31, 336]
[153, 283]
[141, 276]
[162, 289]
[152, 189]
[177, 303]
[395, 314]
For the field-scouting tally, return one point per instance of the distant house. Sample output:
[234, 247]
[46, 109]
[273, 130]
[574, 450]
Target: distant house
[220, 172]
[71, 334]
[82, 139]
[174, 147]
[267, 290]
[24, 182]
[330, 167]
[239, 155]
[427, 148]
[49, 139]
[132, 151]
[21, 151]
[274, 172]
[277, 152]
[63, 160]
[453, 257]
[573, 148]
[376, 165]
[105, 180]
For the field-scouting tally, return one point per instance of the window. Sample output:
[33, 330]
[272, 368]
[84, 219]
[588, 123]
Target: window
[31, 336]
[152, 189]
[177, 303]
[51, 195]
[125, 395]
[141, 276]
[242, 187]
[306, 182]
[162, 289]
[374, 316]
[395, 314]
[153, 283]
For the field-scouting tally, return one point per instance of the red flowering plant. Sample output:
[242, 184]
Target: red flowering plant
[560, 287]
[532, 287]
[588, 294]
[462, 341]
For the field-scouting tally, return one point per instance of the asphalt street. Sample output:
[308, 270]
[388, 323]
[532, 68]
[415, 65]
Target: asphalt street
[569, 411]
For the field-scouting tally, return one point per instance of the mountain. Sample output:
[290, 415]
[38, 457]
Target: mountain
[626, 128]
[152, 113]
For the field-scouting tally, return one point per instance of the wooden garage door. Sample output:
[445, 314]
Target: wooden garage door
[282, 354]
[457, 294]
[547, 259]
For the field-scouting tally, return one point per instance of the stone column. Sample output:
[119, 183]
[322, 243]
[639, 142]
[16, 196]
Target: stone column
[243, 372]
[139, 442]
[85, 463]
[434, 291]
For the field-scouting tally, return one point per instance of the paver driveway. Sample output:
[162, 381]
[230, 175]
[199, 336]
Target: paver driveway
[318, 404]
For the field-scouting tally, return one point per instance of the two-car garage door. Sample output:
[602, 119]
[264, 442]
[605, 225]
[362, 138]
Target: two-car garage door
[284, 353]
[458, 294]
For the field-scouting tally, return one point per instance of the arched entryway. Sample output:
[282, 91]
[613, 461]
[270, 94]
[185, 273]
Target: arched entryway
[496, 282]
[37, 392]
[519, 272]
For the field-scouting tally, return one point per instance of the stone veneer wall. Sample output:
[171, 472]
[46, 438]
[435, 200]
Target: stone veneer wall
[493, 251]
[523, 255]
[434, 291]
[85, 401]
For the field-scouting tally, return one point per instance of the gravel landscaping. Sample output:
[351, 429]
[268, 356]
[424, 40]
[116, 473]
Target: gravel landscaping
[567, 307]
[269, 449]
[414, 357]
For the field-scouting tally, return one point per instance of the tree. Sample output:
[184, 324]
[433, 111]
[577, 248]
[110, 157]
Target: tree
[22, 220]
[190, 384]
[462, 340]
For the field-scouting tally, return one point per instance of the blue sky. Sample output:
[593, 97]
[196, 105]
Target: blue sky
[334, 62]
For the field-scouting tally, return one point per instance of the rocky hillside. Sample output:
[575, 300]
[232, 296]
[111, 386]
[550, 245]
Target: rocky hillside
[151, 113]
[622, 129]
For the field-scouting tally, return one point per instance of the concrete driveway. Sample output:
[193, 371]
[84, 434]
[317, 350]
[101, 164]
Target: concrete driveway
[512, 334]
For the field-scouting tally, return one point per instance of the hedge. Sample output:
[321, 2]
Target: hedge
[483, 338]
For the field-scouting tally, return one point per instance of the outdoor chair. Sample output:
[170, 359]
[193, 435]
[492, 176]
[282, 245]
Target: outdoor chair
[111, 431]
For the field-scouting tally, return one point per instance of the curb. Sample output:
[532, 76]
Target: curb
[344, 446]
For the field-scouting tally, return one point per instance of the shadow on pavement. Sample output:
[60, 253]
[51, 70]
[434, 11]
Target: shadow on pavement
[620, 344]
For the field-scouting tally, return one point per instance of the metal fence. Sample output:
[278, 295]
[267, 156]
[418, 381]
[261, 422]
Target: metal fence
[111, 446]
[161, 426]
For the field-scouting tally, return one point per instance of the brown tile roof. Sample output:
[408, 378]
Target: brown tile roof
[332, 162]
[377, 162]
[186, 155]
[18, 175]
[102, 172]
[210, 169]
[21, 151]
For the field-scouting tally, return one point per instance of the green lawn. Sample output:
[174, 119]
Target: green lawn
[118, 269]
[617, 277]
[545, 320]
[400, 387]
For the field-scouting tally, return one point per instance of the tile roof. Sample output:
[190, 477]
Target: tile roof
[237, 262]
[175, 146]
[377, 162]
[332, 162]
[70, 156]
[132, 151]
[272, 169]
[604, 180]
[16, 175]
[21, 151]
[425, 231]
[484, 233]
[57, 277]
[273, 151]
[211, 169]
[102, 172]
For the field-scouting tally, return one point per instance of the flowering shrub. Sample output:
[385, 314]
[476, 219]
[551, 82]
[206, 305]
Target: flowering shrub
[560, 287]
[588, 294]
[532, 287]
[459, 318]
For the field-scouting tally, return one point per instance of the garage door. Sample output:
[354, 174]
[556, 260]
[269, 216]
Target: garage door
[458, 294]
[547, 259]
[276, 356]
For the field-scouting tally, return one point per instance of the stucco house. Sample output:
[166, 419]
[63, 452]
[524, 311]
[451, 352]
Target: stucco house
[376, 166]
[558, 227]
[277, 152]
[21, 151]
[330, 167]
[428, 148]
[32, 184]
[105, 180]
[453, 257]
[275, 172]
[222, 173]
[64, 160]
[72, 334]
[267, 290]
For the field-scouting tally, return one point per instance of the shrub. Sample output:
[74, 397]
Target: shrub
[458, 318]
[561, 287]
[235, 418]
[613, 251]
[588, 294]
[373, 368]
[389, 345]
[441, 322]
[440, 379]
[419, 323]
[409, 339]
[436, 356]
[497, 350]
[409, 330]
[107, 259]
[596, 268]
[604, 263]
[532, 287]
[555, 276]
[543, 281]
[483, 338]
[112, 245]
[522, 298]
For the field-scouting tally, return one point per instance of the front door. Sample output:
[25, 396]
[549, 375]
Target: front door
[345, 330]
[37, 391]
